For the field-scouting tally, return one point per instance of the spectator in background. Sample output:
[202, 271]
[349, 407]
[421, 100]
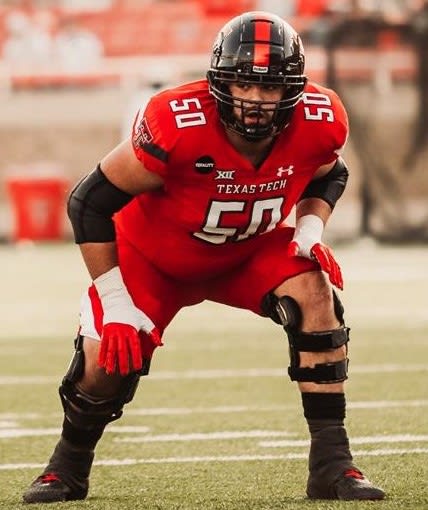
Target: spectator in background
[311, 8]
[28, 45]
[85, 5]
[140, 97]
[419, 24]
[278, 7]
[76, 48]
[162, 75]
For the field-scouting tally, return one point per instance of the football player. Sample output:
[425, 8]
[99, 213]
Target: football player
[193, 207]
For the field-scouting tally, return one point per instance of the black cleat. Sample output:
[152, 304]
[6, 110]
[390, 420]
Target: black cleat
[49, 488]
[65, 478]
[350, 485]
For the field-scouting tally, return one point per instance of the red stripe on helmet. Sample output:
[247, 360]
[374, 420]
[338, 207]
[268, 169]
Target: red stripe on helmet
[262, 30]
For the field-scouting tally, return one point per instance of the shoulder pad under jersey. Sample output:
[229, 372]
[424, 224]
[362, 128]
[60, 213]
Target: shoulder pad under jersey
[323, 118]
[158, 127]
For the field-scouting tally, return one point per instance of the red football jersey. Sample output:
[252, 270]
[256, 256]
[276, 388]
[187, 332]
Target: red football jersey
[216, 207]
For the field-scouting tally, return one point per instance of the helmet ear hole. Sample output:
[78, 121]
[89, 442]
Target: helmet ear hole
[259, 48]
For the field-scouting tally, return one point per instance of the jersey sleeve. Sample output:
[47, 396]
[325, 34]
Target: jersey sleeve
[340, 128]
[151, 139]
[326, 124]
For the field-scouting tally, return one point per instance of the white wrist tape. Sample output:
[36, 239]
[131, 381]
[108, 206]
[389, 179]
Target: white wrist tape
[309, 230]
[117, 303]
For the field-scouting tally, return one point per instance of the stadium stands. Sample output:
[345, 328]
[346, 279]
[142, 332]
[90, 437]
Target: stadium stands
[129, 28]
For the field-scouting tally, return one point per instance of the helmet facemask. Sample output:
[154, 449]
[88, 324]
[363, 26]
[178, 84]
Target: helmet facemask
[281, 111]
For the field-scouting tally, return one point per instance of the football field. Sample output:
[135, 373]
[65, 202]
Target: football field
[217, 425]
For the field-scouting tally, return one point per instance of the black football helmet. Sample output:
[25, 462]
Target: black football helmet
[261, 48]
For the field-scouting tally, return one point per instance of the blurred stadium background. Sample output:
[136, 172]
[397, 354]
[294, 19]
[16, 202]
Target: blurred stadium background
[73, 73]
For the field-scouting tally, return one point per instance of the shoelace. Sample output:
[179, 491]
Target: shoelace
[354, 473]
[49, 477]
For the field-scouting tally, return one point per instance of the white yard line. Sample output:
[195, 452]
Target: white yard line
[7, 424]
[210, 436]
[10, 419]
[363, 404]
[244, 434]
[204, 436]
[39, 432]
[222, 458]
[397, 438]
[221, 373]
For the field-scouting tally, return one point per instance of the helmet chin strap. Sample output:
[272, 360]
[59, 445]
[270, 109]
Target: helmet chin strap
[240, 130]
[256, 132]
[255, 137]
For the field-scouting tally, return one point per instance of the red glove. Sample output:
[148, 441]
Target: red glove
[128, 334]
[307, 243]
[325, 258]
[121, 343]
[149, 342]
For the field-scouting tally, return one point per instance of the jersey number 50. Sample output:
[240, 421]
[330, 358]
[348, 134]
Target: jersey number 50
[213, 233]
[318, 107]
[195, 117]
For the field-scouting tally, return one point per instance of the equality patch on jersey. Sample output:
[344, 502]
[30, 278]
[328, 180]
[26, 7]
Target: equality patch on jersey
[142, 134]
[204, 165]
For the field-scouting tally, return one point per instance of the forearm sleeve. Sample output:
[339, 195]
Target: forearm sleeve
[329, 187]
[91, 206]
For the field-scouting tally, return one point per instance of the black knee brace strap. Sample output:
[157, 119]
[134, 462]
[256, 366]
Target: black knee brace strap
[286, 311]
[85, 411]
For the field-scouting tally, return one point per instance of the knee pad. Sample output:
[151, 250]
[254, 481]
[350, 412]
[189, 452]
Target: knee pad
[85, 411]
[287, 312]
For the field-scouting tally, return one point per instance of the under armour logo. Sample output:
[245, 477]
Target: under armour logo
[225, 175]
[287, 171]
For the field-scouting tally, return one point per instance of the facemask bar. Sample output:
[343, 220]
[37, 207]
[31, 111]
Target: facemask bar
[283, 109]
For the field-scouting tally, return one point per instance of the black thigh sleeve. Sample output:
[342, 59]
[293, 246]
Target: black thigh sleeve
[91, 206]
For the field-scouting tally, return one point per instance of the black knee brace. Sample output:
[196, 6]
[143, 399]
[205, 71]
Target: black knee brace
[87, 412]
[286, 311]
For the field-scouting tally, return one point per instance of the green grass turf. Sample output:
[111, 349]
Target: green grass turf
[389, 329]
[273, 405]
